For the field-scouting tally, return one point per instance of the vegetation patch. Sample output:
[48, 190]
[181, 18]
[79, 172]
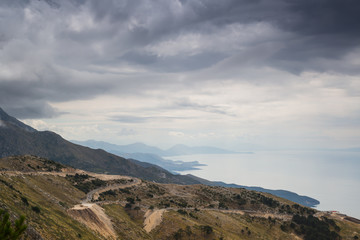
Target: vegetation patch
[85, 183]
[311, 227]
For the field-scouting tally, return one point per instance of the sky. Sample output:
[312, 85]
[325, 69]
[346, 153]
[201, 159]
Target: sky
[237, 74]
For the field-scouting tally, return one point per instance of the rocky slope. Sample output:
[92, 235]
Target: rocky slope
[65, 203]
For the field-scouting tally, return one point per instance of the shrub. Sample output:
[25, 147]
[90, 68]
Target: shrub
[35, 209]
[178, 234]
[183, 212]
[110, 192]
[206, 229]
[314, 228]
[222, 205]
[25, 201]
[130, 200]
[192, 215]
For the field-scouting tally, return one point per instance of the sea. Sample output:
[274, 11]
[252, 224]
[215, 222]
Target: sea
[332, 177]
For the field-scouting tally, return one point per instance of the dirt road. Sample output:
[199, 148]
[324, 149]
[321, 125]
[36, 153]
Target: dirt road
[94, 194]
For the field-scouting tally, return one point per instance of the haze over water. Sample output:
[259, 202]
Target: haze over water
[331, 177]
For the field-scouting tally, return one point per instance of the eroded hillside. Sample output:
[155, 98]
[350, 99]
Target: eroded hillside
[65, 203]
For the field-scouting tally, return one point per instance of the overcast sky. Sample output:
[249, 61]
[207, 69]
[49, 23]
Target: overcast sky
[237, 74]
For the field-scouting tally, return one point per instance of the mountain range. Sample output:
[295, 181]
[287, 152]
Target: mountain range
[179, 149]
[16, 138]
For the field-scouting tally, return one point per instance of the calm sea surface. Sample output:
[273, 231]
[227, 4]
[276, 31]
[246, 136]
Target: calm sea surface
[333, 177]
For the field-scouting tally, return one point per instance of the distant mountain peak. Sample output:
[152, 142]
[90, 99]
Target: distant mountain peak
[6, 119]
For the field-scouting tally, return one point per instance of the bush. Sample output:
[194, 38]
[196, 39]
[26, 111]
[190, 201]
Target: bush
[206, 229]
[183, 212]
[25, 201]
[110, 193]
[124, 190]
[178, 234]
[222, 205]
[35, 209]
[313, 228]
[192, 215]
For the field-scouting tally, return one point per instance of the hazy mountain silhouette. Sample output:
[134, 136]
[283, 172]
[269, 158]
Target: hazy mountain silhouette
[17, 138]
[179, 149]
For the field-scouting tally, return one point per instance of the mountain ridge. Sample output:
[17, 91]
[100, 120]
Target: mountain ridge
[15, 139]
[138, 147]
[6, 118]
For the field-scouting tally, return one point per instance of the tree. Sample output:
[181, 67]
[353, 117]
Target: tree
[7, 232]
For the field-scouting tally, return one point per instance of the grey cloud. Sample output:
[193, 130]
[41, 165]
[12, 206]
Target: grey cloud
[321, 29]
[33, 110]
[140, 119]
[334, 17]
[130, 119]
[174, 63]
[56, 49]
[186, 103]
[127, 132]
[139, 57]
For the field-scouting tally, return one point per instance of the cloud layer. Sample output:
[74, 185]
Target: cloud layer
[214, 60]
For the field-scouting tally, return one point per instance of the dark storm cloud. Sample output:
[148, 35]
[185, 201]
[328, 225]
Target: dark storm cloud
[53, 51]
[335, 17]
[32, 110]
[321, 28]
[326, 29]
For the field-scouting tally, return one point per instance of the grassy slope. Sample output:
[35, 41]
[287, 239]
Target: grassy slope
[45, 192]
[54, 195]
[125, 226]
[226, 225]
